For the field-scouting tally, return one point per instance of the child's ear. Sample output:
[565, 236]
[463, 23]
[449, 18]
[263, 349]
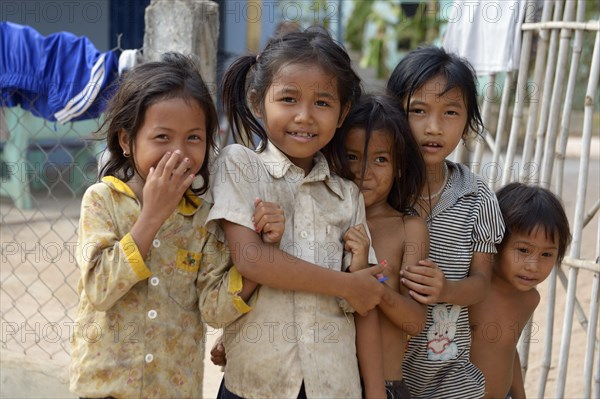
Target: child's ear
[343, 114]
[470, 139]
[255, 104]
[124, 143]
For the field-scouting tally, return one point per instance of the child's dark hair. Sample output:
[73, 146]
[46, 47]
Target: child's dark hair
[174, 76]
[425, 63]
[383, 113]
[526, 208]
[247, 80]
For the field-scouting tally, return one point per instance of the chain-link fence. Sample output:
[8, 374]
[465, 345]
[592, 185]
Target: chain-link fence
[45, 167]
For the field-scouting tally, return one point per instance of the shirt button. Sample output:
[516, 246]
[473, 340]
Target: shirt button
[149, 358]
[154, 281]
[303, 234]
[152, 314]
[156, 243]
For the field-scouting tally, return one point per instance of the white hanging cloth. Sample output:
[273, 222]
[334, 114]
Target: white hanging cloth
[129, 59]
[486, 32]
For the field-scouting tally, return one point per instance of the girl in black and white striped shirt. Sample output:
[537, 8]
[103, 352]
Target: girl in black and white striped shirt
[438, 92]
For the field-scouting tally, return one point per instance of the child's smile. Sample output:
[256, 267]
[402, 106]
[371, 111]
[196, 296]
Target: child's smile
[303, 137]
[527, 259]
[379, 166]
[301, 111]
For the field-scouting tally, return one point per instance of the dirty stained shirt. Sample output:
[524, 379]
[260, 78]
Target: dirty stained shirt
[138, 330]
[290, 337]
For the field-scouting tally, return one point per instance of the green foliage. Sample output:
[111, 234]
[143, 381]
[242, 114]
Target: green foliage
[422, 28]
[356, 23]
[393, 31]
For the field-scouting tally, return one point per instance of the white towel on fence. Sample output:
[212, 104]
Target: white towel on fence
[486, 32]
[129, 59]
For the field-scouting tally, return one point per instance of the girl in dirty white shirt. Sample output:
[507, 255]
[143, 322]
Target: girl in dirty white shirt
[144, 253]
[297, 341]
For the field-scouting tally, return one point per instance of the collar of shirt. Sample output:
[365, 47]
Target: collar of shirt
[188, 205]
[278, 165]
[461, 182]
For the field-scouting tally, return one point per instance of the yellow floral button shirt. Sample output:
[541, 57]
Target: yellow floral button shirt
[138, 330]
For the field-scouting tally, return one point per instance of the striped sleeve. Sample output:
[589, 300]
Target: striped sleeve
[488, 229]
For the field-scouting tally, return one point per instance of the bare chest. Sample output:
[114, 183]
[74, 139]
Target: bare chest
[500, 320]
[388, 242]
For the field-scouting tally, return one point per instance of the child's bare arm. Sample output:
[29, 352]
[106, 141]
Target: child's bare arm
[403, 310]
[517, 388]
[217, 353]
[369, 350]
[269, 221]
[368, 332]
[357, 242]
[272, 267]
[428, 285]
[474, 288]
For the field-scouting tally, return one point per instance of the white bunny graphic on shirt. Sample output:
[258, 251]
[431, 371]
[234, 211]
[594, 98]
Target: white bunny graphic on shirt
[440, 336]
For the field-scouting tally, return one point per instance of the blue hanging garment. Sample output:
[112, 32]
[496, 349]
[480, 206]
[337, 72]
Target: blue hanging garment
[60, 77]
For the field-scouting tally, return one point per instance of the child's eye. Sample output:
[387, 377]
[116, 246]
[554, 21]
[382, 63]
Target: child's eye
[548, 254]
[288, 99]
[452, 113]
[322, 103]
[381, 159]
[523, 250]
[162, 137]
[417, 111]
[195, 137]
[352, 157]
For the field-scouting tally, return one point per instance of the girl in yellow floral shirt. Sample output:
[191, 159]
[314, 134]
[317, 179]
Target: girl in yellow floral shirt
[144, 253]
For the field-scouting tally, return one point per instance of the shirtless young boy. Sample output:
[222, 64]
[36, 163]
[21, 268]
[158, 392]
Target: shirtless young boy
[536, 238]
